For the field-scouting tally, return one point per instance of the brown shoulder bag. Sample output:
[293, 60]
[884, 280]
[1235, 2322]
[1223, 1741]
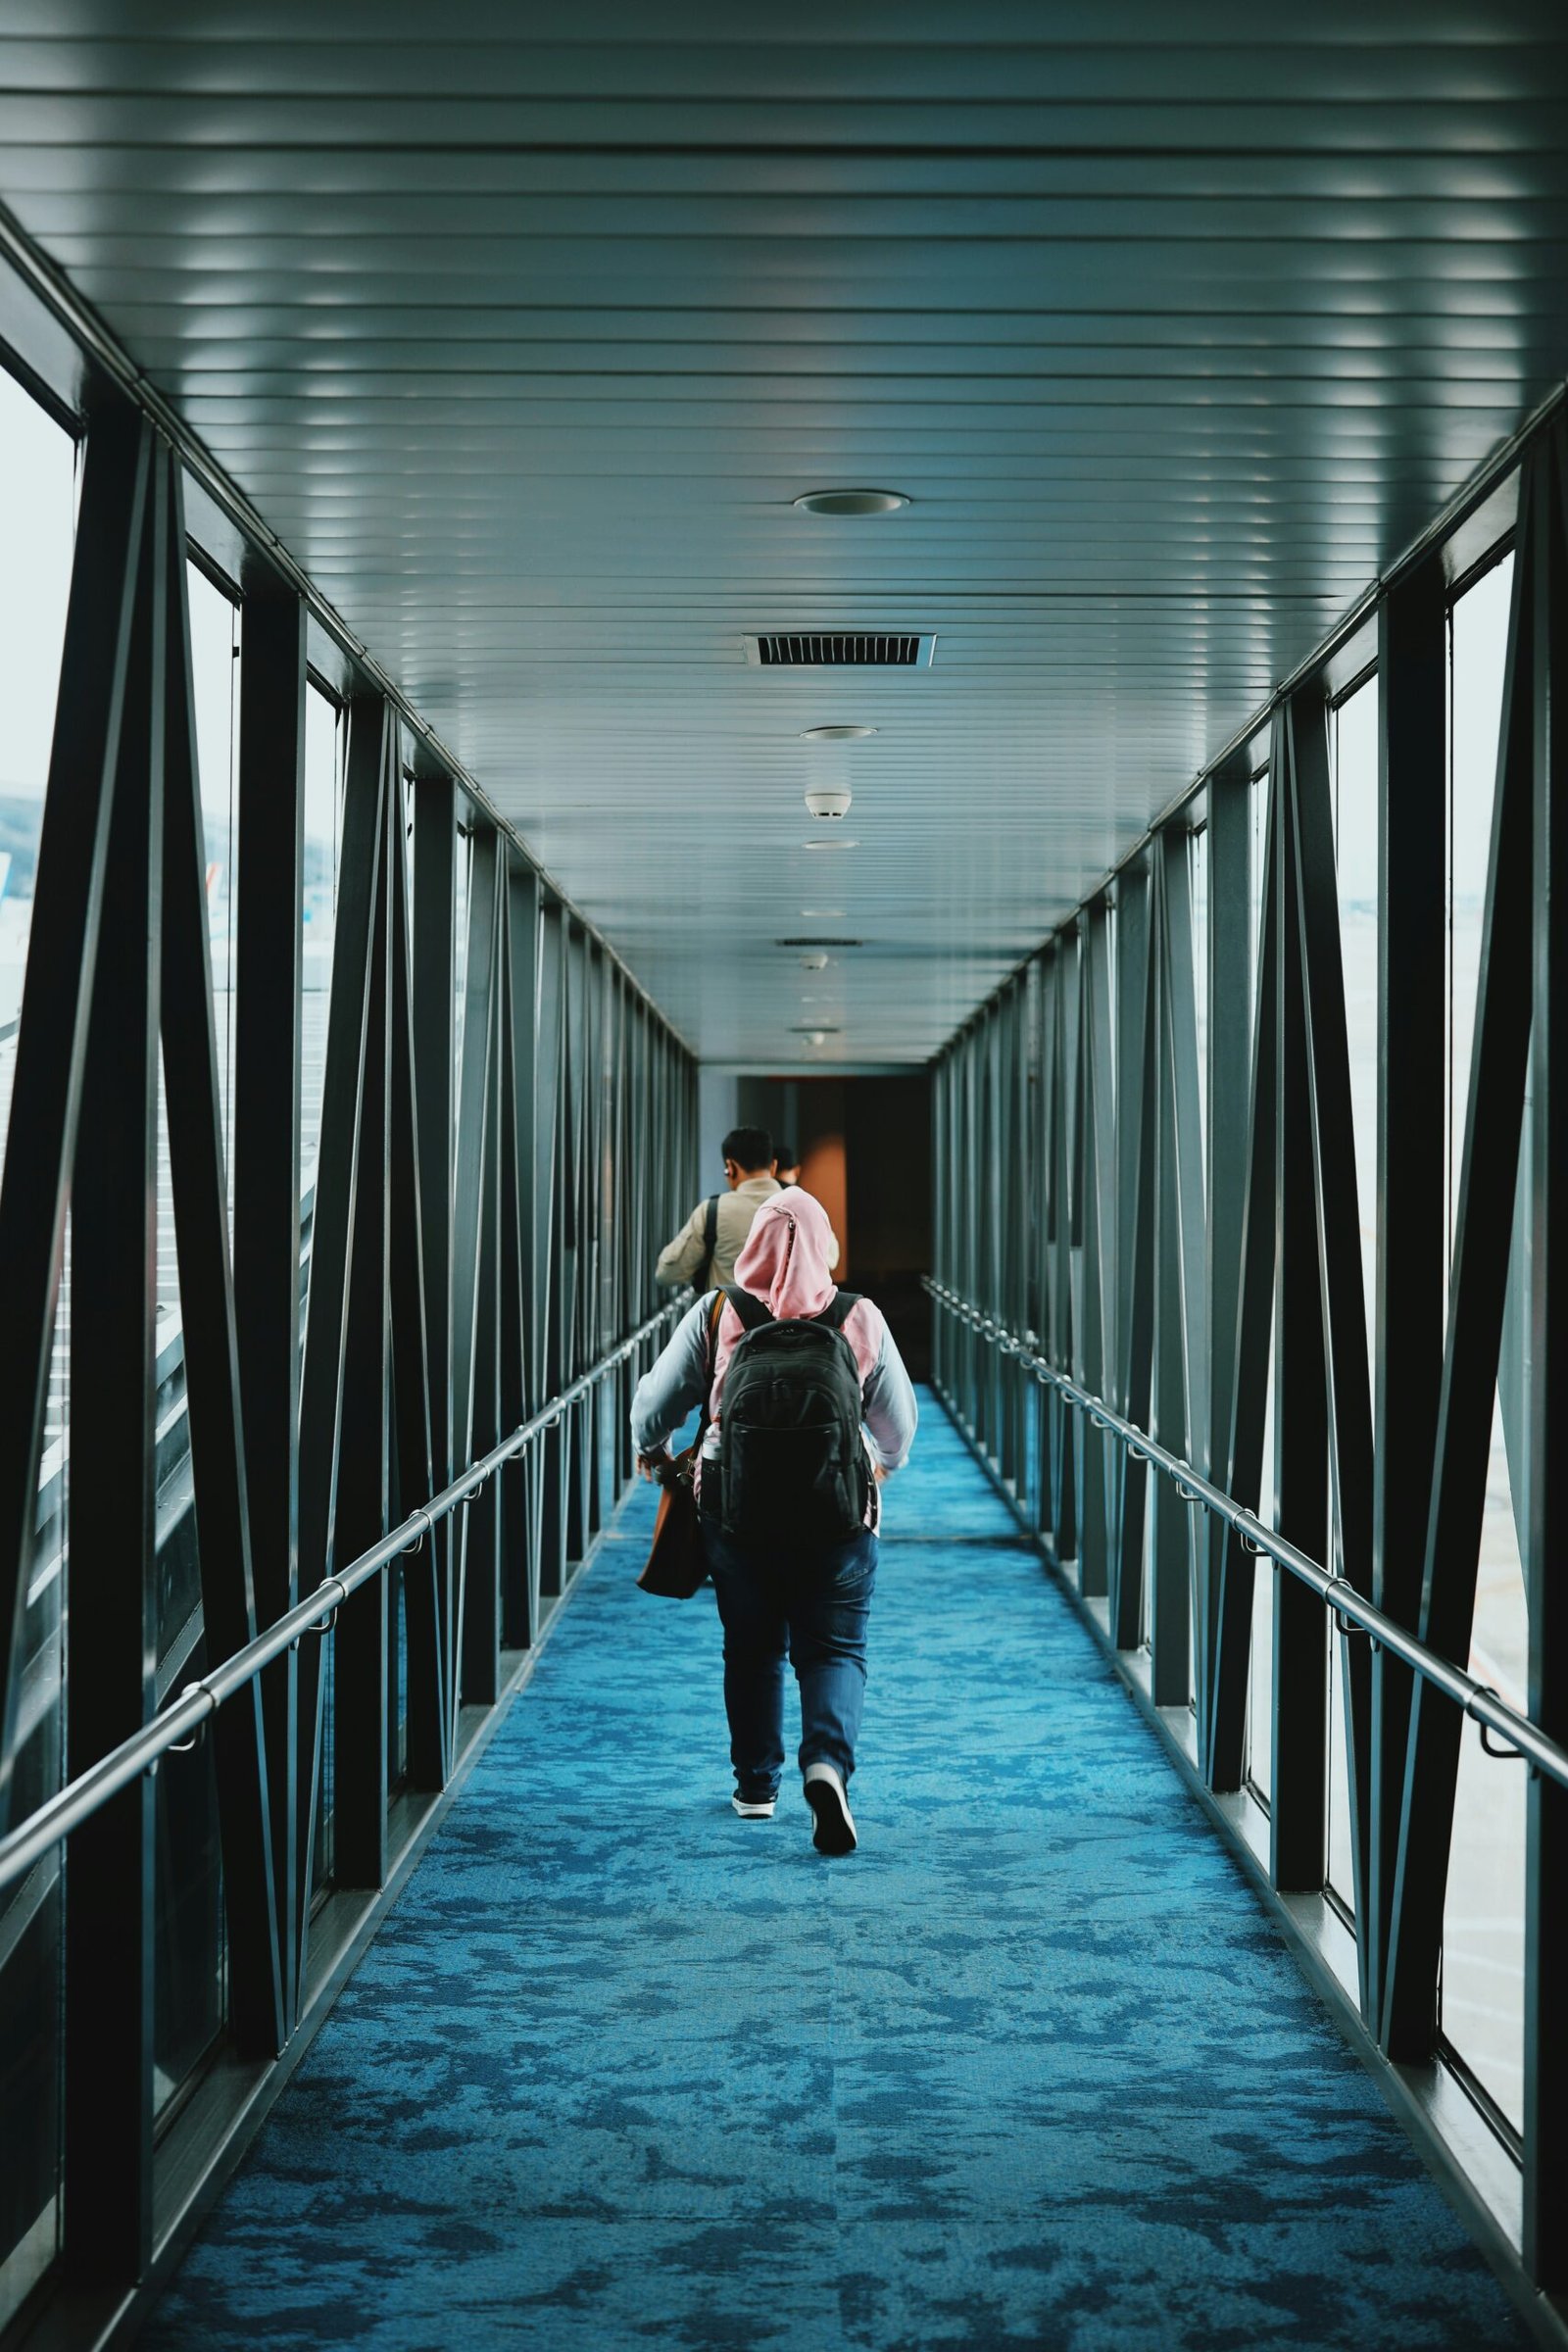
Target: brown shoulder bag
[675, 1567]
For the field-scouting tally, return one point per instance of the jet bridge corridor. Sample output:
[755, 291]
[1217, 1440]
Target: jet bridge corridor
[971, 605]
[1032, 2067]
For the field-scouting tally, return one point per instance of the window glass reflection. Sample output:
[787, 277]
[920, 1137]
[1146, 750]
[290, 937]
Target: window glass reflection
[1482, 1956]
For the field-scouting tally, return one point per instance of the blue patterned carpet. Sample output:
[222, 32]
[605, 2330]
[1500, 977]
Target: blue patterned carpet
[1029, 2070]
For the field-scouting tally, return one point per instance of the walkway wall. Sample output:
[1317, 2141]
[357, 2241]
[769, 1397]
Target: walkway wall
[411, 1153]
[1257, 1151]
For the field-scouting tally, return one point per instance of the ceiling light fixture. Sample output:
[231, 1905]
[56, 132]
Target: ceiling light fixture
[827, 914]
[830, 844]
[849, 501]
[835, 734]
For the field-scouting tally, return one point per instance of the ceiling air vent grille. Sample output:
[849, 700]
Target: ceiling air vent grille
[841, 649]
[818, 943]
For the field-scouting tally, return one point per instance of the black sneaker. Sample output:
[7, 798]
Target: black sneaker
[834, 1832]
[753, 1808]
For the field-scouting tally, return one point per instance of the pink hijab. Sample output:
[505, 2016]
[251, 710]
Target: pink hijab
[785, 1264]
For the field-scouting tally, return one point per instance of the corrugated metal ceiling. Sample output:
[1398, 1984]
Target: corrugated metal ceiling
[523, 327]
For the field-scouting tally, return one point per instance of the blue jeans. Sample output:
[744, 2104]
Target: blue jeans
[814, 1609]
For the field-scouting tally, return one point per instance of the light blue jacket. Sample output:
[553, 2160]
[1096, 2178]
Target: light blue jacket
[677, 1384]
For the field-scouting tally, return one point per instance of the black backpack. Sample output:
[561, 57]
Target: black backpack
[794, 1463]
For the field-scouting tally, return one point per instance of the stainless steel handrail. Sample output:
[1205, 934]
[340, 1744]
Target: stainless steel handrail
[1477, 1700]
[176, 1726]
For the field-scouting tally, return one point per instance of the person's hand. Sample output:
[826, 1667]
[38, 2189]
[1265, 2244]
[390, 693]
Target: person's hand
[881, 1473]
[650, 1464]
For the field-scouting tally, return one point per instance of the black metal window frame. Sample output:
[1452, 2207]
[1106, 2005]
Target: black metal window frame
[1117, 1248]
[391, 1497]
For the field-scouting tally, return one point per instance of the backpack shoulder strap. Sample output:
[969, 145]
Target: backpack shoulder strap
[837, 1311]
[749, 1308]
[710, 1241]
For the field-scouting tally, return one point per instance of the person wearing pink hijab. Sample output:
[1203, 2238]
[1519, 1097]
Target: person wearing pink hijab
[809, 1602]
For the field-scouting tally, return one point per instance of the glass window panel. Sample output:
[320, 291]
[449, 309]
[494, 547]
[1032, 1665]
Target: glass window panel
[189, 1981]
[1483, 1965]
[31, 1918]
[1342, 1856]
[1484, 1921]
[1260, 1684]
[1356, 836]
[460, 968]
[323, 819]
[1354, 743]
[1200, 871]
[1478, 646]
[214, 646]
[189, 1987]
[322, 859]
[1259, 796]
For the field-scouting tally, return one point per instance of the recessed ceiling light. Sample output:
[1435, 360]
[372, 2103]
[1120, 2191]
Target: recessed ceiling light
[849, 501]
[835, 734]
[830, 844]
[825, 915]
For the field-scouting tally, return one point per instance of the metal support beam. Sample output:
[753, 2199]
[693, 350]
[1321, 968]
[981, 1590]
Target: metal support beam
[1411, 1207]
[333, 1225]
[265, 1100]
[112, 1627]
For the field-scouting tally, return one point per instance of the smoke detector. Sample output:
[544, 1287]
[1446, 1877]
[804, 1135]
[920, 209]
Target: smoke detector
[813, 964]
[832, 802]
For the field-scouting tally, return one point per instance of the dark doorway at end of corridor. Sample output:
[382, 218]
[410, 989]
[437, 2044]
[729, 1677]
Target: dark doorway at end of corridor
[866, 1152]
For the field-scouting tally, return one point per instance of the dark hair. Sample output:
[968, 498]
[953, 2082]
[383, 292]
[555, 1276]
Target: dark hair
[749, 1147]
[785, 1155]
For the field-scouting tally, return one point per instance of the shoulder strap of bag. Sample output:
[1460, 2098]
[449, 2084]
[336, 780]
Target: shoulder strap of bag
[836, 1313]
[749, 1308]
[705, 1272]
[712, 1349]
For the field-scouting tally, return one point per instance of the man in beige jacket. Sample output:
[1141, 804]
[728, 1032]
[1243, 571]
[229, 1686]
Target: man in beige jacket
[705, 1250]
